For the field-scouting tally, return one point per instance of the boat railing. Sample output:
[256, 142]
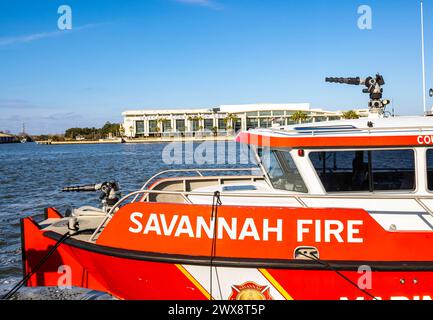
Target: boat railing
[198, 171]
[298, 197]
[368, 130]
[184, 194]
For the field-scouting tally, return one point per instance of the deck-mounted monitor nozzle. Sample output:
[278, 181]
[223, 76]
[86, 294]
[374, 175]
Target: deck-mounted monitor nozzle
[110, 192]
[373, 88]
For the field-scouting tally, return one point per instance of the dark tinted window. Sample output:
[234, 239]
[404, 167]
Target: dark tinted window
[180, 125]
[152, 126]
[430, 169]
[252, 123]
[195, 125]
[139, 127]
[166, 126]
[208, 124]
[375, 170]
[238, 125]
[393, 169]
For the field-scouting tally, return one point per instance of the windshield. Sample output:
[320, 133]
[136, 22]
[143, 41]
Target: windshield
[282, 170]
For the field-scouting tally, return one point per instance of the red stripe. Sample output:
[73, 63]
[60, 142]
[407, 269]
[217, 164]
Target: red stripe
[353, 141]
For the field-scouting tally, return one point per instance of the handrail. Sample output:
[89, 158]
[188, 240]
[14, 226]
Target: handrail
[298, 197]
[196, 170]
[182, 193]
[348, 130]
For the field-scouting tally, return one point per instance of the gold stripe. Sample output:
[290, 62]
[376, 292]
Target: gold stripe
[194, 281]
[275, 283]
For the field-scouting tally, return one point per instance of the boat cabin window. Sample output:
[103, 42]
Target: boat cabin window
[282, 170]
[365, 170]
[430, 169]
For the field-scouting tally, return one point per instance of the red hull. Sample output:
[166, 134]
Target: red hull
[134, 278]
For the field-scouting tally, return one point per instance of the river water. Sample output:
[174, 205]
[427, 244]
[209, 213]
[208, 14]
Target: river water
[32, 176]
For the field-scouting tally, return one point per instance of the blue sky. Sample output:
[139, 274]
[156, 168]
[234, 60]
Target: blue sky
[142, 54]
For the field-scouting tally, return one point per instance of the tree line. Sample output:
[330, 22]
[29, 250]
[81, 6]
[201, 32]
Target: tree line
[300, 116]
[93, 133]
[115, 129]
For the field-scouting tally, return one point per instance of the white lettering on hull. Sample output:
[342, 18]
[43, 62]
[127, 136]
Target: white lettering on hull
[333, 230]
[231, 228]
[178, 226]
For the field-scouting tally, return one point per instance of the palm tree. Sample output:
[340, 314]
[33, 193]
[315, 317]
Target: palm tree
[215, 131]
[350, 115]
[161, 122]
[196, 121]
[121, 130]
[299, 116]
[230, 120]
[195, 118]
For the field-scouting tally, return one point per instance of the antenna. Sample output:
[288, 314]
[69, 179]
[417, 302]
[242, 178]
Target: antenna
[393, 109]
[423, 59]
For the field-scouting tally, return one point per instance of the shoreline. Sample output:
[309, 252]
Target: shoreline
[139, 140]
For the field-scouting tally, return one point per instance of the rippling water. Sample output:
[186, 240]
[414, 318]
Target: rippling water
[31, 177]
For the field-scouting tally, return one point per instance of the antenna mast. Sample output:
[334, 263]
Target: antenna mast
[423, 59]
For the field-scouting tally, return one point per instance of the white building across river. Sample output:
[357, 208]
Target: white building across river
[221, 120]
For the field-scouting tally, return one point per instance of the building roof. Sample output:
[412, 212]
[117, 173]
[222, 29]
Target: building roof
[264, 107]
[232, 108]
